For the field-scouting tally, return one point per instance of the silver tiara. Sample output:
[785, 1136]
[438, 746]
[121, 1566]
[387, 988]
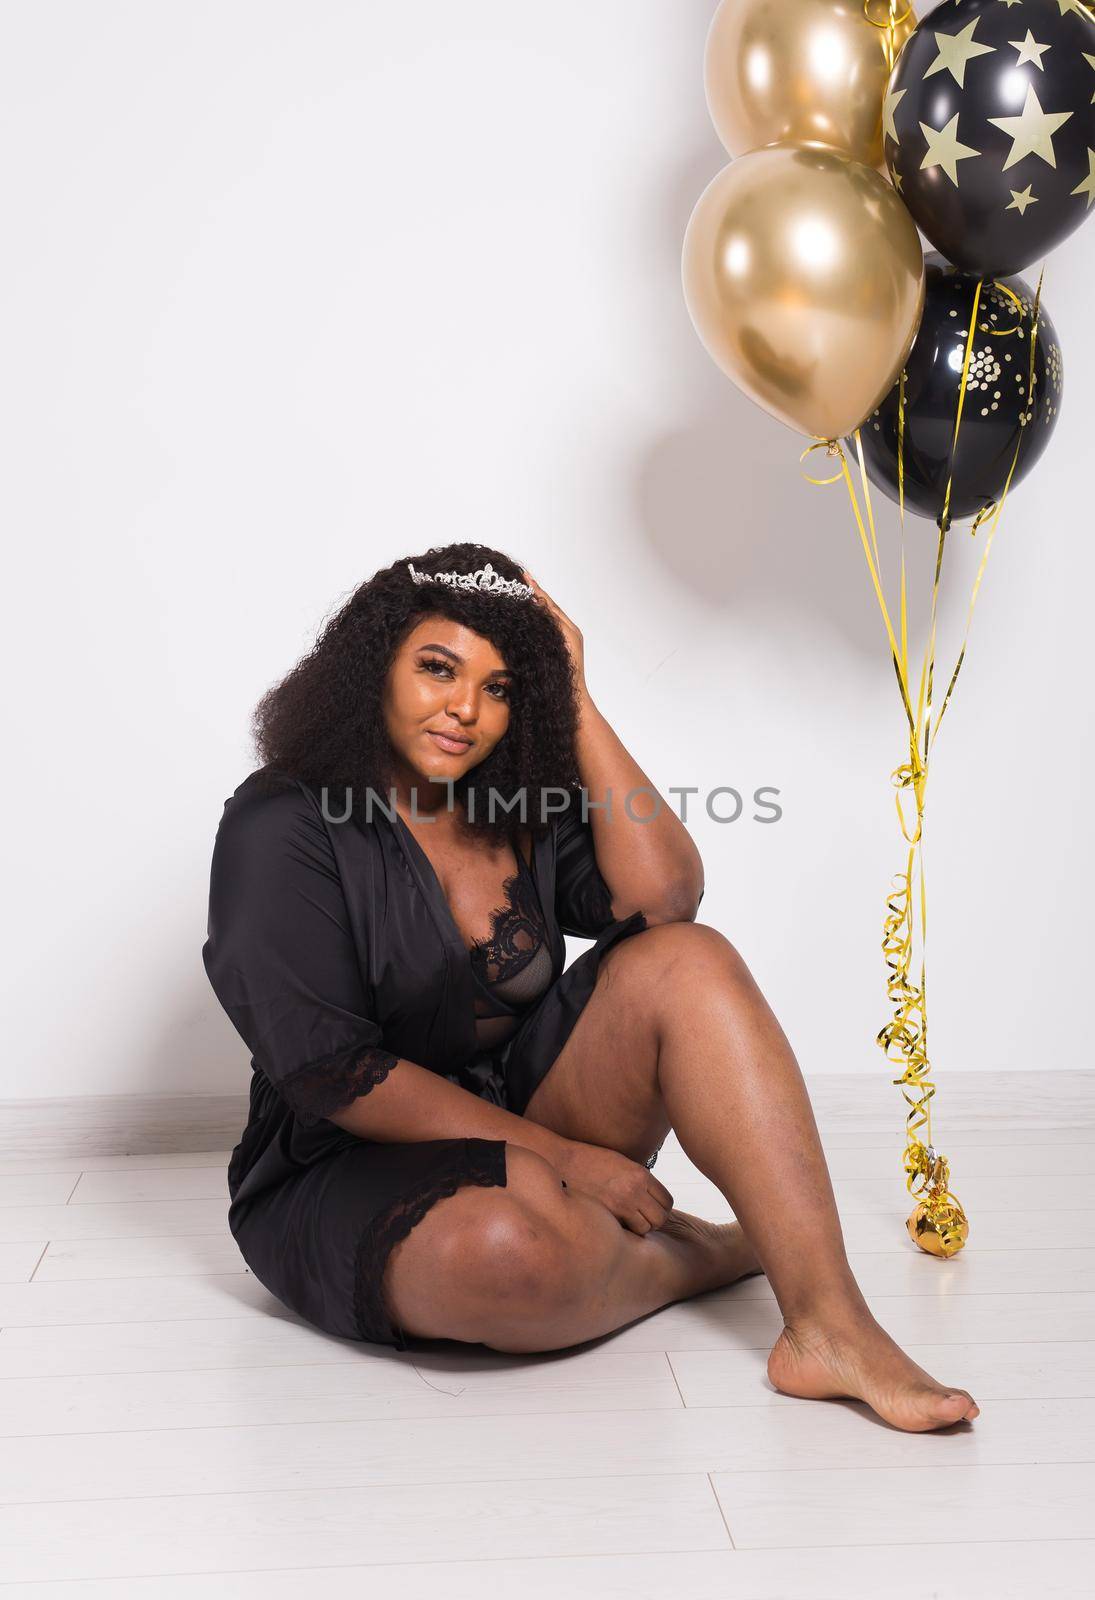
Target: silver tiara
[483, 578]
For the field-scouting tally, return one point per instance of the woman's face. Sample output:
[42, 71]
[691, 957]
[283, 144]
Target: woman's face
[447, 699]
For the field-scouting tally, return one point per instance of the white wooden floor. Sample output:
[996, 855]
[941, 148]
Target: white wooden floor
[171, 1431]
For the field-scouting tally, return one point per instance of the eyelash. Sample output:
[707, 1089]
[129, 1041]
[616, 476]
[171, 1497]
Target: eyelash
[434, 661]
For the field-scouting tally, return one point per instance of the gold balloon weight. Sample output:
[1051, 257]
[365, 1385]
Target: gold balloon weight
[938, 1225]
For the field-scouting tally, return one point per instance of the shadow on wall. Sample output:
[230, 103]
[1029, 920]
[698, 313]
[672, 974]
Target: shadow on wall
[723, 501]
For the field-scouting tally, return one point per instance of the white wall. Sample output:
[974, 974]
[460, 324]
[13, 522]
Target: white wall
[292, 289]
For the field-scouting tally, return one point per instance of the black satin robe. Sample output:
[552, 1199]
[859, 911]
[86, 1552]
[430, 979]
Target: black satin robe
[333, 950]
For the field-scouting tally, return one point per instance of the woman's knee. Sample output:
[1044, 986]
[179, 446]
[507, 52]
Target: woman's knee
[517, 1272]
[539, 1265]
[496, 1265]
[698, 956]
[693, 942]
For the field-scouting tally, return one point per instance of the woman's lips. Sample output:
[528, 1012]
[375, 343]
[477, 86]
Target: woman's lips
[455, 747]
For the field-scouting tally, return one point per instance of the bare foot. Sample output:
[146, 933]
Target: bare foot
[723, 1253]
[856, 1358]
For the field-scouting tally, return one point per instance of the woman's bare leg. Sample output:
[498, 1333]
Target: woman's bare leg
[693, 1044]
[536, 1266]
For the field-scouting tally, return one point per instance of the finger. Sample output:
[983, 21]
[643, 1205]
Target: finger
[654, 1213]
[637, 1223]
[649, 1208]
[660, 1193]
[545, 599]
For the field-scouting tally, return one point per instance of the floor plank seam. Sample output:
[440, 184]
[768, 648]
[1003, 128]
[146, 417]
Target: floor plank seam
[722, 1511]
[556, 1477]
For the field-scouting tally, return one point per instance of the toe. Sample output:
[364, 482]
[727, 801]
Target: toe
[953, 1407]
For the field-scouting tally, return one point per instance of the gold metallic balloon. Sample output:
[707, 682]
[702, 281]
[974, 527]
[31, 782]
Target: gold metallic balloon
[802, 71]
[804, 276]
[939, 1229]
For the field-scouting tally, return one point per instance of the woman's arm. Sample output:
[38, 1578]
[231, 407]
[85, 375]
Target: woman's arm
[414, 1103]
[653, 865]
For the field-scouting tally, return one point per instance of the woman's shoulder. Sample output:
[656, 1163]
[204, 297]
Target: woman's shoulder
[268, 793]
[273, 803]
[270, 809]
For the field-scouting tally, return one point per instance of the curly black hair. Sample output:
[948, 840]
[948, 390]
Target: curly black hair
[324, 721]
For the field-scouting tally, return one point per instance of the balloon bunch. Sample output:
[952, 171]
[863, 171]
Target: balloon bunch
[804, 276]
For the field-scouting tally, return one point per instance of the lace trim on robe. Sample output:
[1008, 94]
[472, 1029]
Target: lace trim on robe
[471, 1160]
[332, 1082]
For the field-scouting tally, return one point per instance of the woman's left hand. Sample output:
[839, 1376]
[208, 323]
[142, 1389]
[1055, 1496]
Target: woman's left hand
[571, 632]
[636, 1198]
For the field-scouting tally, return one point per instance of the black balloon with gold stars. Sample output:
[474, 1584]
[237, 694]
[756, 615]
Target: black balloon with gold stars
[989, 128]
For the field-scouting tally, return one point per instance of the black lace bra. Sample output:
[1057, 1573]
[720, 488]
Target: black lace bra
[512, 966]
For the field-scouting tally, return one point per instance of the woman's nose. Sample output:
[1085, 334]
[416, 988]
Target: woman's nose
[462, 705]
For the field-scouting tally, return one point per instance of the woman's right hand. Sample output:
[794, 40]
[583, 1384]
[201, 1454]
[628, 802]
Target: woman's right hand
[630, 1191]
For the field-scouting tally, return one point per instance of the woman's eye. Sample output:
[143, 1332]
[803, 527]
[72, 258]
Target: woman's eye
[431, 662]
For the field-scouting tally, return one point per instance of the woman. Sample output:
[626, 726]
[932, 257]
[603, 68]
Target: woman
[449, 1135]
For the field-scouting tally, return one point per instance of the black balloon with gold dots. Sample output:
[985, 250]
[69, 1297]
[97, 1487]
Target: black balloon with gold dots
[989, 128]
[1001, 409]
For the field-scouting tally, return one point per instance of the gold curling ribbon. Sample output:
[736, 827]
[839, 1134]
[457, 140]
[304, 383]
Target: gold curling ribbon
[889, 23]
[937, 1225]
